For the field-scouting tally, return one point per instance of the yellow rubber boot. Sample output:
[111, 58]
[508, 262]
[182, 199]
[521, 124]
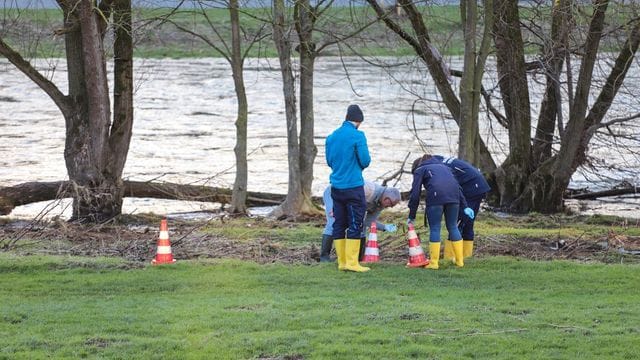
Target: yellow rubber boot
[458, 250]
[352, 250]
[434, 255]
[467, 248]
[340, 251]
[448, 251]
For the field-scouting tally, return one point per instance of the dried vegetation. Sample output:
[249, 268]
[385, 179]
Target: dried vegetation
[135, 238]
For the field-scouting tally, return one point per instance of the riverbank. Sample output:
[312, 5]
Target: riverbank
[597, 238]
[251, 288]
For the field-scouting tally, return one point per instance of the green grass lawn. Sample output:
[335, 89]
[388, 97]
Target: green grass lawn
[504, 308]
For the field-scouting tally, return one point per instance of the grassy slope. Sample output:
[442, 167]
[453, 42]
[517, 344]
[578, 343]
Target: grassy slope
[494, 308]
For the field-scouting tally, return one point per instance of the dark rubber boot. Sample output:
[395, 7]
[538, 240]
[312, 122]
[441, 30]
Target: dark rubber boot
[363, 246]
[325, 250]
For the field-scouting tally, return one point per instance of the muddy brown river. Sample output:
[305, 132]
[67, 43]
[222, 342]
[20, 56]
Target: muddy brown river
[184, 126]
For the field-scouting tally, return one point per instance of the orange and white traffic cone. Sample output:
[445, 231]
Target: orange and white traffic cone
[416, 254]
[163, 254]
[371, 253]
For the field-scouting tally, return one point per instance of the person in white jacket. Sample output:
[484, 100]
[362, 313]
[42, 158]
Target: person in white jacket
[378, 198]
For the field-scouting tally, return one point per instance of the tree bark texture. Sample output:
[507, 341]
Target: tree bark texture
[468, 119]
[469, 140]
[295, 203]
[239, 197]
[551, 107]
[95, 149]
[511, 178]
[547, 184]
[304, 20]
[121, 130]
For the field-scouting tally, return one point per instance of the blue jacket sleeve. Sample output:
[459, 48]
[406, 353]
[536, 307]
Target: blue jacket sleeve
[463, 200]
[362, 151]
[414, 197]
[327, 144]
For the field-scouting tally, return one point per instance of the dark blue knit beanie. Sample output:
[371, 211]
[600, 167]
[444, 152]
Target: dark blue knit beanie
[354, 114]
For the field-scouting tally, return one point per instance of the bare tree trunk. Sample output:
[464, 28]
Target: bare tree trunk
[468, 127]
[87, 153]
[469, 141]
[551, 107]
[120, 132]
[304, 19]
[238, 203]
[511, 178]
[547, 184]
[95, 150]
[296, 202]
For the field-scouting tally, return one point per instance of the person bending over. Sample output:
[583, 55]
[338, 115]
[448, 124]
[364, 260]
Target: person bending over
[474, 188]
[443, 197]
[378, 197]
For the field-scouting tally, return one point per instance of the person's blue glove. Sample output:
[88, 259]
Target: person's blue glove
[469, 212]
[409, 222]
[390, 228]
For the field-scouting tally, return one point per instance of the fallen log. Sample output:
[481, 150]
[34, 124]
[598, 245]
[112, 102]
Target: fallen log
[30, 192]
[605, 193]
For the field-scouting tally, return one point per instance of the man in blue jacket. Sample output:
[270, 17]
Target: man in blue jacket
[475, 188]
[347, 155]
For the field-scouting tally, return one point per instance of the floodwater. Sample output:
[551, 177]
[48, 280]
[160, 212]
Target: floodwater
[184, 129]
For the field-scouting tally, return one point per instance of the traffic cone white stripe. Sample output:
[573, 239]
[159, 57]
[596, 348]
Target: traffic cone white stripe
[164, 235]
[371, 251]
[164, 250]
[415, 251]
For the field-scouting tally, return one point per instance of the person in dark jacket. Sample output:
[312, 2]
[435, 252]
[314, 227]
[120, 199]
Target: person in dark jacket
[347, 154]
[475, 189]
[443, 197]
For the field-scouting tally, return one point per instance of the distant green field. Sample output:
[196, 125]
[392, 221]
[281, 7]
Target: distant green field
[498, 308]
[32, 31]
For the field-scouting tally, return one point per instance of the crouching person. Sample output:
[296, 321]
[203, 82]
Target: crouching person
[377, 197]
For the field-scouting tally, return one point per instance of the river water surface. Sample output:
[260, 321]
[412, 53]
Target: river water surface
[184, 129]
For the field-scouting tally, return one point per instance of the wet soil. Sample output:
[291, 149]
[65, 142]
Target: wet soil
[137, 244]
